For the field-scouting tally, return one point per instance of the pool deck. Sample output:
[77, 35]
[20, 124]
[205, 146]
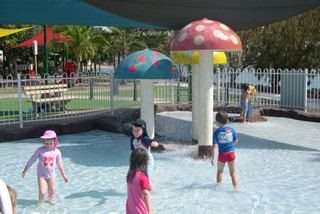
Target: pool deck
[119, 121]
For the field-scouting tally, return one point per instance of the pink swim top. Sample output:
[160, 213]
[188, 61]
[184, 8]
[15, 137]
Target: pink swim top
[48, 158]
[135, 201]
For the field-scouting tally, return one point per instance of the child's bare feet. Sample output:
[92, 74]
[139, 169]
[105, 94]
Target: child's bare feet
[52, 201]
[40, 203]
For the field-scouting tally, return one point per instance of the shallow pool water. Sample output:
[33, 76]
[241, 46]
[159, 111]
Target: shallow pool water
[278, 167]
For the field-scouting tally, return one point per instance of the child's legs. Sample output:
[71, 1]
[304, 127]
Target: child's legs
[149, 168]
[244, 115]
[243, 110]
[233, 174]
[220, 171]
[250, 111]
[42, 185]
[51, 187]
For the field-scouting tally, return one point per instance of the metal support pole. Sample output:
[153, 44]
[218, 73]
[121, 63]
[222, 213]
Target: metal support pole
[36, 65]
[189, 85]
[111, 91]
[45, 46]
[178, 91]
[134, 90]
[91, 89]
[306, 90]
[19, 101]
[172, 91]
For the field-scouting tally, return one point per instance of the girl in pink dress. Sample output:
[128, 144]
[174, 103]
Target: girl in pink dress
[49, 156]
[138, 184]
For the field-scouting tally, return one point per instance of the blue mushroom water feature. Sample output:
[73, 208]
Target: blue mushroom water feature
[146, 66]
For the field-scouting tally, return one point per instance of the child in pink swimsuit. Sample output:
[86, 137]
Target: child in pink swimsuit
[138, 184]
[49, 156]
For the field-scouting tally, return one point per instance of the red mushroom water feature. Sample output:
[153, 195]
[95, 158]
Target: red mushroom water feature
[204, 36]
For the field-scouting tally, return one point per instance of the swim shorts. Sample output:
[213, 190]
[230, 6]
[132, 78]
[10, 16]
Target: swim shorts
[244, 106]
[227, 156]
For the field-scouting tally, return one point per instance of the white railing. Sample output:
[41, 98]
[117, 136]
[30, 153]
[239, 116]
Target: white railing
[58, 96]
[276, 88]
[91, 93]
[53, 97]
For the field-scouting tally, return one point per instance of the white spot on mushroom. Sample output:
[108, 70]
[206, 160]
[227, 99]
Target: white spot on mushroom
[207, 21]
[234, 39]
[224, 36]
[182, 37]
[224, 27]
[219, 34]
[187, 26]
[200, 28]
[198, 40]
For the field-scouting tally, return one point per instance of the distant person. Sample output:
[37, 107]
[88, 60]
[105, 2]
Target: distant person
[244, 102]
[49, 156]
[224, 139]
[70, 69]
[252, 93]
[138, 184]
[140, 139]
[8, 199]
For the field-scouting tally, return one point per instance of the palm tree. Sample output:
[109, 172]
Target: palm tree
[84, 41]
[158, 40]
[124, 41]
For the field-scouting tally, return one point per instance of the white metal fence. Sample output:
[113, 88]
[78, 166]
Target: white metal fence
[57, 96]
[54, 97]
[276, 88]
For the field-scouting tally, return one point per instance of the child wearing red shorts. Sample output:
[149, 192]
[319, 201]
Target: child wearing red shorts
[224, 139]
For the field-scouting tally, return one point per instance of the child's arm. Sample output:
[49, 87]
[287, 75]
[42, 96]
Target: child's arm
[154, 143]
[235, 141]
[60, 166]
[147, 200]
[235, 137]
[61, 169]
[33, 158]
[213, 153]
[149, 142]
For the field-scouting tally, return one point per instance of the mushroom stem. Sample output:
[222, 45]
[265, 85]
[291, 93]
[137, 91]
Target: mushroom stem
[205, 104]
[195, 102]
[147, 105]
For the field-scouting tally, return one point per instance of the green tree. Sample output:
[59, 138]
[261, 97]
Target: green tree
[9, 41]
[158, 40]
[123, 41]
[291, 43]
[84, 41]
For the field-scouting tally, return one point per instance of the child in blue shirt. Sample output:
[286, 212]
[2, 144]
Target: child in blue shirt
[224, 139]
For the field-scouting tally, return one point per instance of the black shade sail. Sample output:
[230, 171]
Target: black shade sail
[174, 14]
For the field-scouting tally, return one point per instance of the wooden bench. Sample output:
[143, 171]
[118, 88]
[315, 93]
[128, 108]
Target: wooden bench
[48, 98]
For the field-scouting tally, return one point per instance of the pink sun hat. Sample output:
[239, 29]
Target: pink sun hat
[50, 134]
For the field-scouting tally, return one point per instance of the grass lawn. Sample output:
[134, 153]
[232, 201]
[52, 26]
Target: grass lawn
[9, 106]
